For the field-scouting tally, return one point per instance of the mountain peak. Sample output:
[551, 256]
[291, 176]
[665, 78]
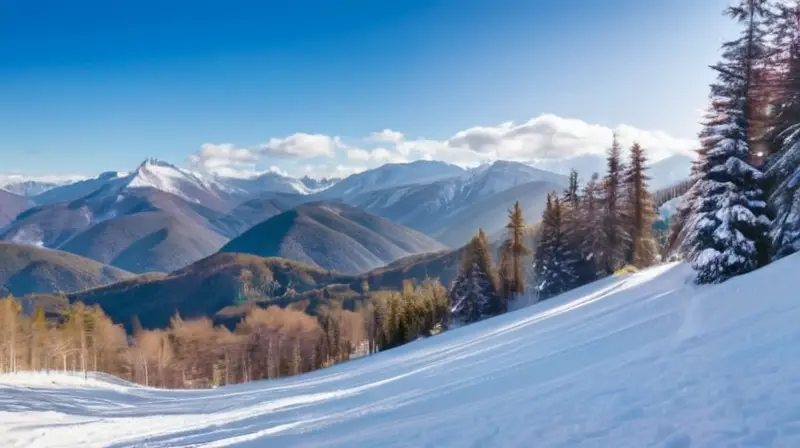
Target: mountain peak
[153, 161]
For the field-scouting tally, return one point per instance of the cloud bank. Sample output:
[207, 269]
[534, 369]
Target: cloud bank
[543, 139]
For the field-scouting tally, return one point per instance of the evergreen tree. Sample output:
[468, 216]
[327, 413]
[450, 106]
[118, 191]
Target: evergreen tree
[785, 199]
[590, 231]
[680, 225]
[783, 168]
[477, 256]
[556, 271]
[479, 251]
[615, 238]
[728, 226]
[575, 231]
[512, 274]
[571, 196]
[471, 295]
[641, 212]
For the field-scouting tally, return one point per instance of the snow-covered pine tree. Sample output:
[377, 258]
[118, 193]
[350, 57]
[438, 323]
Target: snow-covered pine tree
[556, 271]
[615, 238]
[641, 213]
[785, 199]
[727, 229]
[471, 295]
[476, 268]
[783, 167]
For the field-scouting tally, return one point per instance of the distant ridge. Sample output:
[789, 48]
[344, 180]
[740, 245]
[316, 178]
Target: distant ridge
[333, 236]
[26, 269]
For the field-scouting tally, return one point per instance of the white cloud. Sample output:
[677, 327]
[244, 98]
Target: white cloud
[377, 156]
[386, 135]
[552, 137]
[546, 139]
[658, 143]
[301, 145]
[224, 159]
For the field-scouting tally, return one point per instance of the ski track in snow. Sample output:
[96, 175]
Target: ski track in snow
[643, 360]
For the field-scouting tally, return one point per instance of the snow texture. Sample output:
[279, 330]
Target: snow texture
[648, 359]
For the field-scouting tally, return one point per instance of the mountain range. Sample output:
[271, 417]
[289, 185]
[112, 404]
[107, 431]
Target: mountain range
[379, 226]
[451, 210]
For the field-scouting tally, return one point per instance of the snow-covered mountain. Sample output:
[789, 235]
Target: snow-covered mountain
[30, 188]
[669, 171]
[273, 182]
[452, 209]
[646, 359]
[188, 185]
[216, 192]
[392, 175]
[76, 190]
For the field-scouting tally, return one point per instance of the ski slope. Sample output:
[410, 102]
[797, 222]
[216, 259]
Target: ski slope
[643, 360]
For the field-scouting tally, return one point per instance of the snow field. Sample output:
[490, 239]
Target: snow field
[647, 359]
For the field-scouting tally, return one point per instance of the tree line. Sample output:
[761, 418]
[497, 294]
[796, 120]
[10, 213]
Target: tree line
[267, 343]
[743, 209]
[586, 233]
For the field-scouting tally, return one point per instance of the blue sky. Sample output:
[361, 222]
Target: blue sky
[92, 85]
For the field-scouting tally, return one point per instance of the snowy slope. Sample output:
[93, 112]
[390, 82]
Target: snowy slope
[644, 360]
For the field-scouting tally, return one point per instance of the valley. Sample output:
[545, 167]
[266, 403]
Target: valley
[176, 241]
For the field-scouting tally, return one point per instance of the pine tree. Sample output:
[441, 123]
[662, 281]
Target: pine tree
[512, 274]
[476, 269]
[785, 199]
[783, 168]
[590, 230]
[571, 196]
[575, 231]
[615, 238]
[556, 271]
[728, 226]
[641, 213]
[471, 295]
[478, 251]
